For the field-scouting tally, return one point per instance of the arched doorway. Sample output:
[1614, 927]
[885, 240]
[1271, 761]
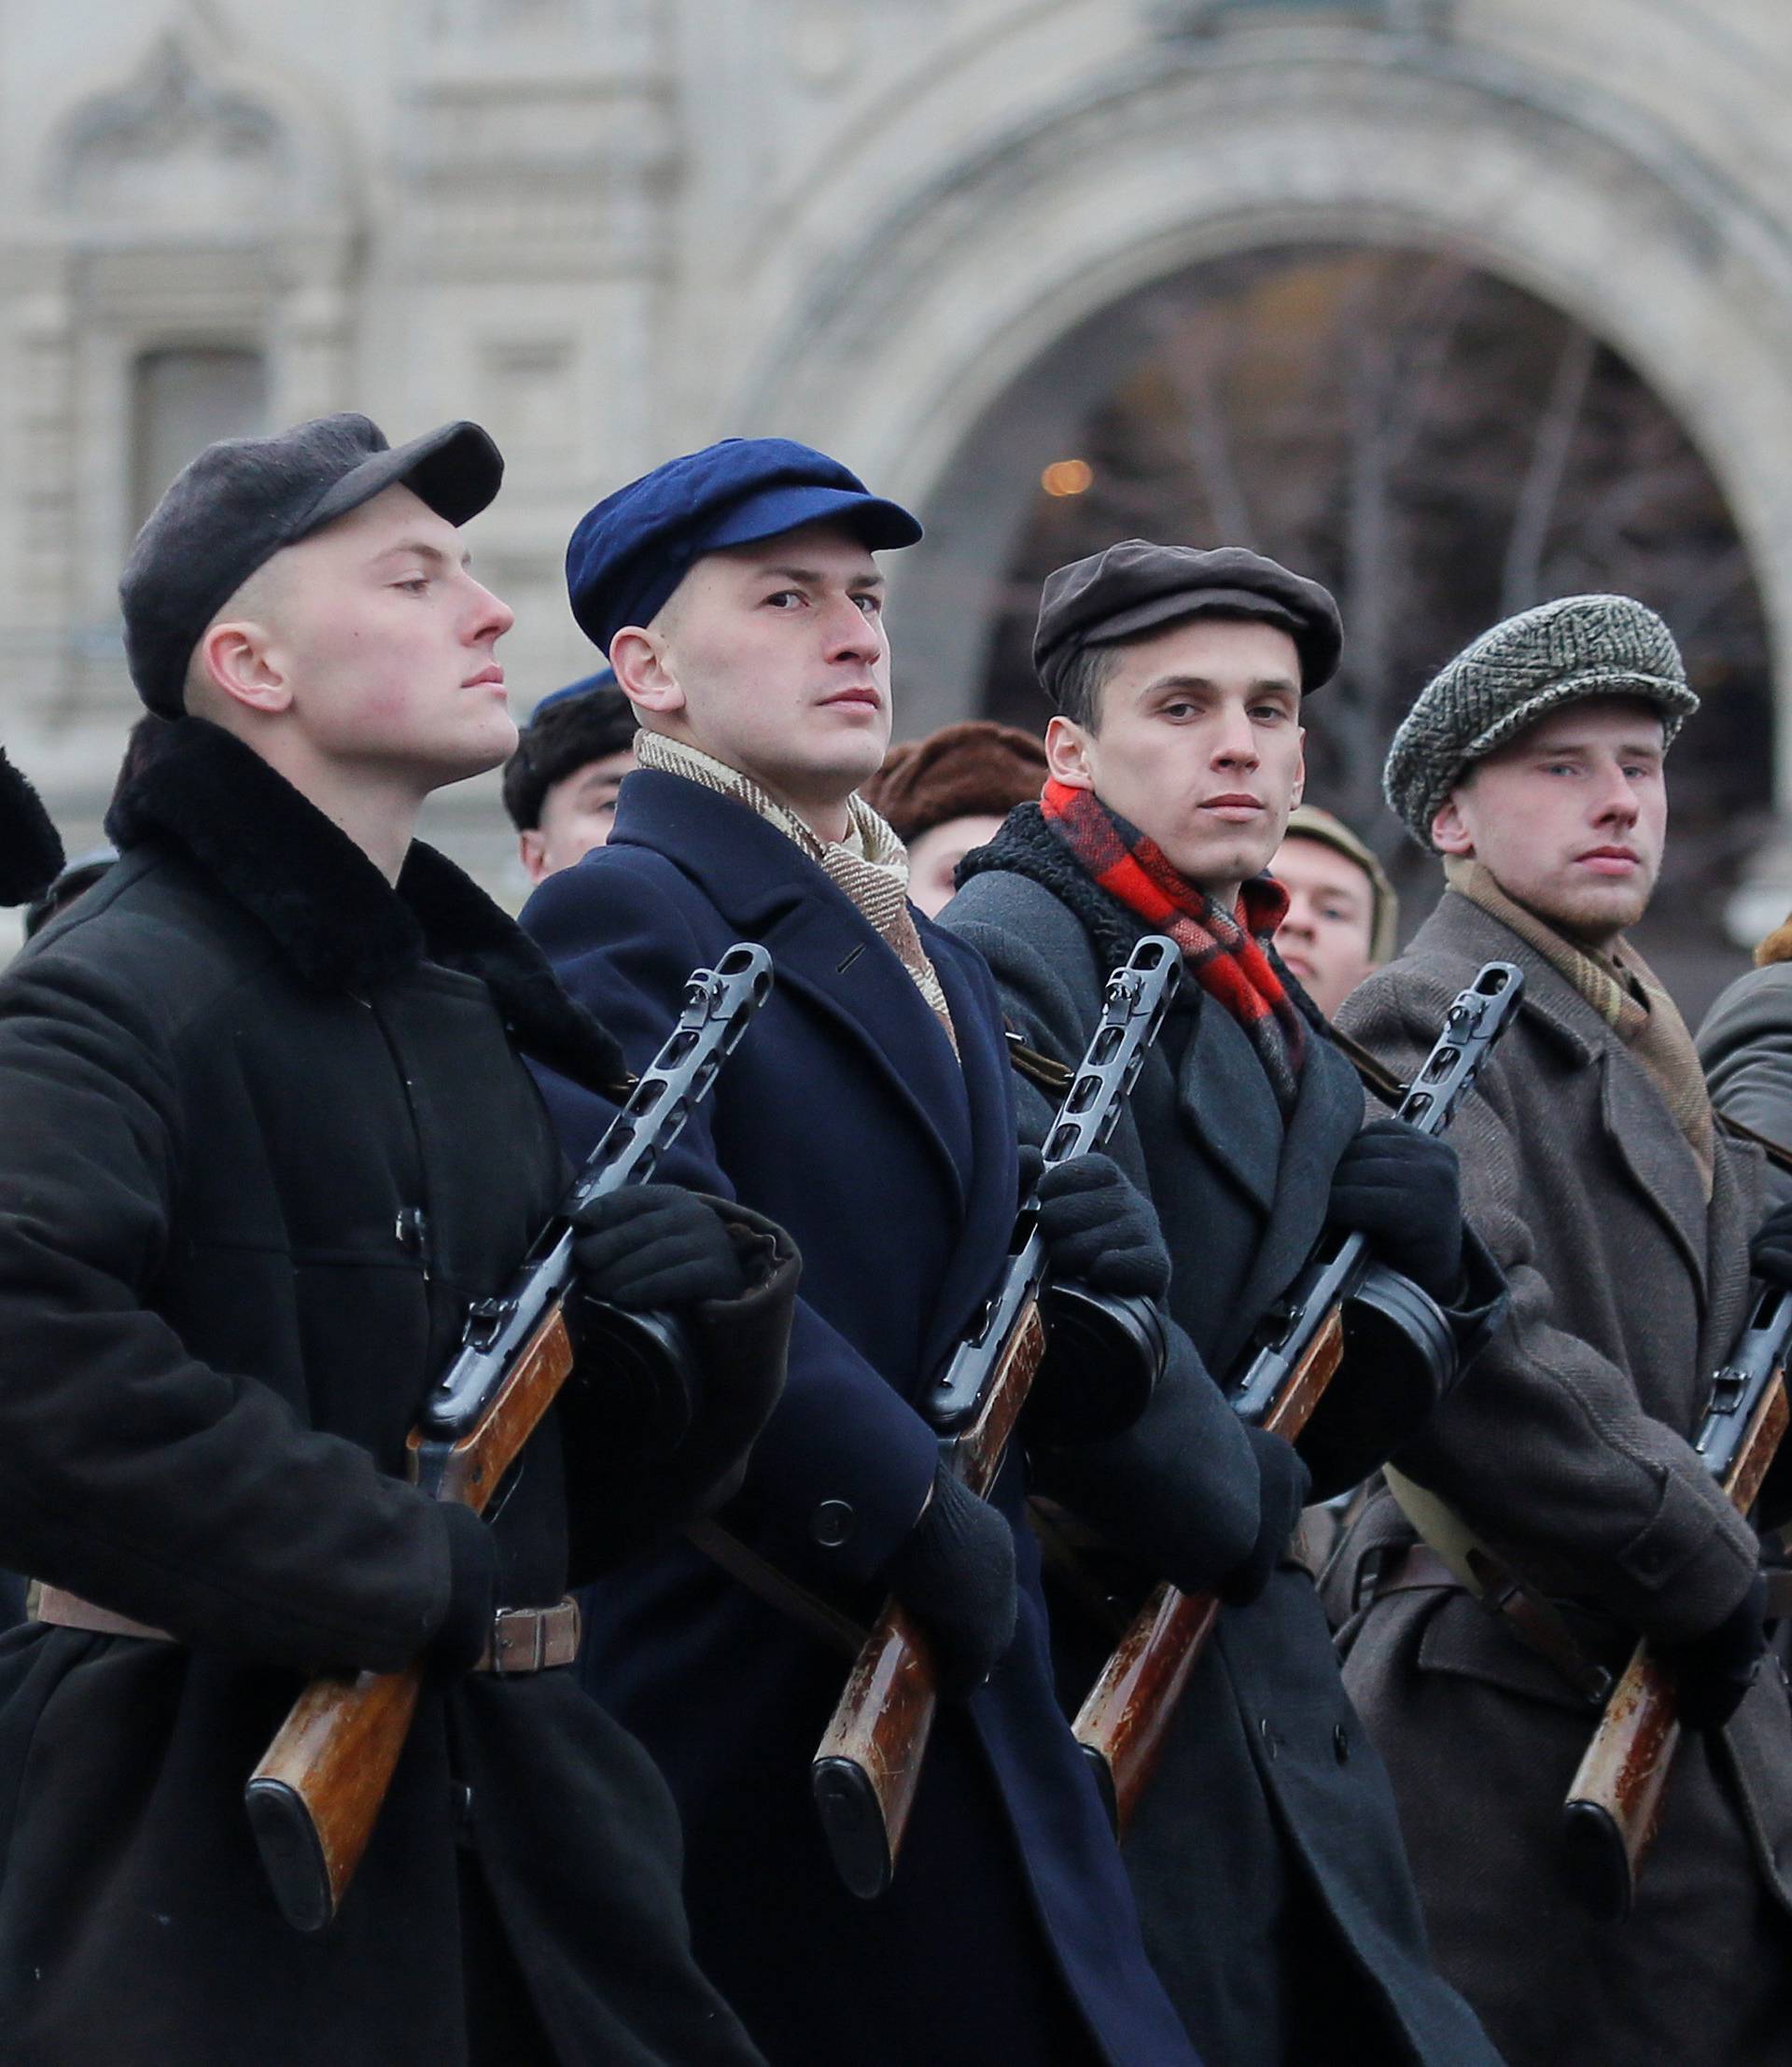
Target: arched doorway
[1439, 446]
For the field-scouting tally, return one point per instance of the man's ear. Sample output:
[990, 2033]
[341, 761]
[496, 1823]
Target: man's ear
[1300, 772]
[644, 671]
[234, 662]
[532, 849]
[1068, 753]
[1449, 832]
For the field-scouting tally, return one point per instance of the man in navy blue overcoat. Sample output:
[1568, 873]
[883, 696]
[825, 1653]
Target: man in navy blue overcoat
[871, 1111]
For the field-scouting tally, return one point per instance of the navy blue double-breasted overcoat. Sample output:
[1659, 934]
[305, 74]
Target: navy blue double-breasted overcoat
[1010, 1932]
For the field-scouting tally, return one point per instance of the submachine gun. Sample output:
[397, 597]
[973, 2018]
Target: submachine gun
[1614, 1807]
[869, 1764]
[1124, 1722]
[314, 1799]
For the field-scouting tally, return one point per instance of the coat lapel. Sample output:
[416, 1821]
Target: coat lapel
[1327, 1116]
[822, 947]
[1224, 1096]
[987, 1081]
[1646, 1143]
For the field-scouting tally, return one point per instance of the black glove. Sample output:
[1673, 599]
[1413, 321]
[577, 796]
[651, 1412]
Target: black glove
[1099, 1229]
[648, 1247]
[1285, 1483]
[1714, 1670]
[1769, 1254]
[956, 1575]
[1400, 1188]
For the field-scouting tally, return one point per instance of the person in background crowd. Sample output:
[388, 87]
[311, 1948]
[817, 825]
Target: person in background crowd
[1343, 917]
[560, 785]
[31, 849]
[30, 854]
[736, 594]
[1745, 1045]
[948, 793]
[265, 1132]
[85, 870]
[1533, 765]
[1267, 1854]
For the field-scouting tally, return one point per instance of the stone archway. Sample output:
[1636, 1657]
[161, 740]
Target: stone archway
[967, 289]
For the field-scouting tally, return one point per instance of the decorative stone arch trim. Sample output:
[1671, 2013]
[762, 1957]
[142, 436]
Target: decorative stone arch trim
[201, 199]
[898, 355]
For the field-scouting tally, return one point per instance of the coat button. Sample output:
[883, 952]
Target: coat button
[1266, 1729]
[408, 1229]
[1342, 1744]
[832, 1523]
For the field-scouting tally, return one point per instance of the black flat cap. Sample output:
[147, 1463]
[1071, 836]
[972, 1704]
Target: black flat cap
[233, 507]
[1135, 587]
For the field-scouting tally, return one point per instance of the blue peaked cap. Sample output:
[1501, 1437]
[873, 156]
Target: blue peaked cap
[604, 678]
[633, 549]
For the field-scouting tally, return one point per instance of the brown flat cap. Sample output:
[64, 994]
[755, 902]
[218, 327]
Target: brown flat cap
[1137, 587]
[970, 769]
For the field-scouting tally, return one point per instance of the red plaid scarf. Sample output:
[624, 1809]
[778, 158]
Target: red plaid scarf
[1225, 956]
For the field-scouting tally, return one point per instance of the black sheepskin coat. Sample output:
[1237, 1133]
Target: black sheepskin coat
[265, 1132]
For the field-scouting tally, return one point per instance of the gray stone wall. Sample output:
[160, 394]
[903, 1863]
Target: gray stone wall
[614, 229]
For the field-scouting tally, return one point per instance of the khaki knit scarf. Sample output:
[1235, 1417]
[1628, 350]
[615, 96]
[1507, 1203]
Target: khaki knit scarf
[870, 866]
[1622, 987]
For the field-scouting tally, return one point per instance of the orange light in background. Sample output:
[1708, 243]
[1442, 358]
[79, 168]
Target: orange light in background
[1067, 476]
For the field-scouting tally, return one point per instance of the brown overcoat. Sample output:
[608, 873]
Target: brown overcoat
[1565, 1448]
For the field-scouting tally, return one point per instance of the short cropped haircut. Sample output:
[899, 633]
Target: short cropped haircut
[564, 735]
[1081, 681]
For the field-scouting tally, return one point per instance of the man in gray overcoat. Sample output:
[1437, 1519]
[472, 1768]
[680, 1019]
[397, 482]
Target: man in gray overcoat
[1622, 1217]
[1266, 1858]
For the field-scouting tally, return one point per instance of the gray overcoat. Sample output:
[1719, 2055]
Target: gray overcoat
[1565, 1447]
[1267, 1857]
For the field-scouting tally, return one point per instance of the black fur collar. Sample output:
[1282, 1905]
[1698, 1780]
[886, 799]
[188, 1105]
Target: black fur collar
[334, 916]
[1025, 846]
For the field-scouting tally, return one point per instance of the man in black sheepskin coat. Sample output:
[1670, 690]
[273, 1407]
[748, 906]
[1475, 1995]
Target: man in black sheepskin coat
[265, 1132]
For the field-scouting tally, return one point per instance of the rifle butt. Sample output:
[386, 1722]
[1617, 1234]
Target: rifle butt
[1614, 1806]
[868, 1767]
[1124, 1723]
[314, 1799]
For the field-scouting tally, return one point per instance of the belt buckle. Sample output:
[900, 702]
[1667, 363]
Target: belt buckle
[503, 1622]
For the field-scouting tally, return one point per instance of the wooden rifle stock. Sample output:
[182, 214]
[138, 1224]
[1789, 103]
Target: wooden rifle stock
[314, 1799]
[1614, 1807]
[869, 1763]
[1125, 1719]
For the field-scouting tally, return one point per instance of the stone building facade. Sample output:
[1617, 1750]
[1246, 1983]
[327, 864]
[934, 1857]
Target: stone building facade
[613, 229]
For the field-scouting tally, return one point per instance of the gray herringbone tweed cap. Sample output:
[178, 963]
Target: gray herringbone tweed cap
[1562, 653]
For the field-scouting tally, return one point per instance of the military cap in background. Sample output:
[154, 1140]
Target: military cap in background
[1135, 587]
[1560, 652]
[570, 727]
[229, 511]
[632, 549]
[1307, 821]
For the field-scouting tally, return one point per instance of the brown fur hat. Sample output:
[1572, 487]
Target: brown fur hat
[960, 772]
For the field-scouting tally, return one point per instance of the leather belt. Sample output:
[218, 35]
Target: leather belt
[68, 1611]
[531, 1639]
[523, 1640]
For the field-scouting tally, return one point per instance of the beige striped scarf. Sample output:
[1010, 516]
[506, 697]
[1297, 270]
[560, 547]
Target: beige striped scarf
[870, 866]
[1625, 992]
